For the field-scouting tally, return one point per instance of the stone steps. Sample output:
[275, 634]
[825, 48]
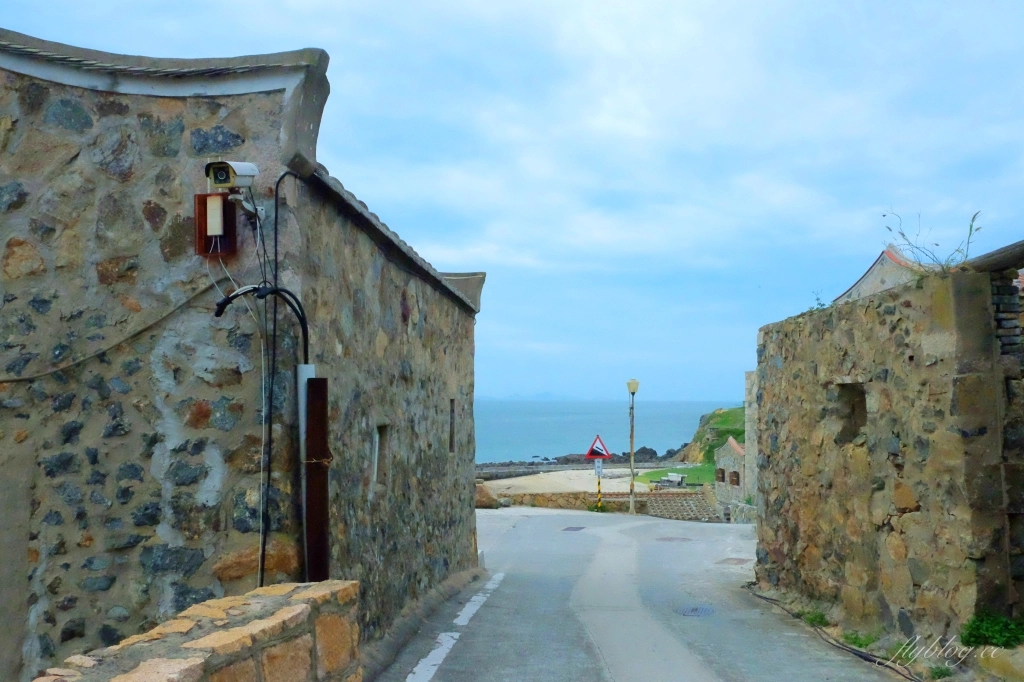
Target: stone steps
[681, 508]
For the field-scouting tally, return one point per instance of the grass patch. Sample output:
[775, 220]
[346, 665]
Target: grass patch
[702, 473]
[990, 629]
[732, 418]
[860, 641]
[815, 618]
[899, 653]
[594, 508]
[939, 672]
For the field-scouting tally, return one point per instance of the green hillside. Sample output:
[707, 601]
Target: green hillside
[713, 432]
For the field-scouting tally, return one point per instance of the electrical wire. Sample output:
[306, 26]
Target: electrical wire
[273, 368]
[263, 398]
[110, 346]
[900, 670]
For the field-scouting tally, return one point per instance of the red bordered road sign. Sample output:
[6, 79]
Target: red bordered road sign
[598, 450]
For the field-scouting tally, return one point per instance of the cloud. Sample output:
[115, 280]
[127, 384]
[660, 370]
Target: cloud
[684, 171]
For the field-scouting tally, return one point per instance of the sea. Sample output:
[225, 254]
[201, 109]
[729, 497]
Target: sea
[525, 430]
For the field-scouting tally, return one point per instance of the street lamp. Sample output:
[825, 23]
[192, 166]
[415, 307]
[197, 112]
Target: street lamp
[632, 385]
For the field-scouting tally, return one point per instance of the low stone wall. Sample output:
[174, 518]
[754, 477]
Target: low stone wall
[281, 633]
[488, 473]
[583, 501]
[737, 512]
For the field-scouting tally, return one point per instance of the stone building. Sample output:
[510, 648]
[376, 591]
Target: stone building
[132, 419]
[731, 483]
[890, 437]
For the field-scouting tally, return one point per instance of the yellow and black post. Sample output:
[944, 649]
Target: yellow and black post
[599, 507]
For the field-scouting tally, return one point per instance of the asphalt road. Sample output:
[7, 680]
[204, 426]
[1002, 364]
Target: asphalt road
[607, 602]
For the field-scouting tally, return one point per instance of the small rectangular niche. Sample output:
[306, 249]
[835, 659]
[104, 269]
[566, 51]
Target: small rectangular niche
[853, 411]
[451, 425]
[380, 458]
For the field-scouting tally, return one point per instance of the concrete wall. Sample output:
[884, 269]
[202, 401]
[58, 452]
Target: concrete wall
[131, 418]
[879, 456]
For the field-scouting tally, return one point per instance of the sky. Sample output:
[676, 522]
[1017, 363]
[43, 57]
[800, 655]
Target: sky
[645, 183]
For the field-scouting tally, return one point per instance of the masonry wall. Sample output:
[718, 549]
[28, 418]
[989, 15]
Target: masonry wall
[279, 633]
[730, 461]
[131, 418]
[399, 355]
[879, 451]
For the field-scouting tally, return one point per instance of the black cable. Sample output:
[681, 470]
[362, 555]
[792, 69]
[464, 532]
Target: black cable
[259, 239]
[863, 655]
[293, 302]
[273, 377]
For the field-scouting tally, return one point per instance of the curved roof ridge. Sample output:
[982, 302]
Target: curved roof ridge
[23, 45]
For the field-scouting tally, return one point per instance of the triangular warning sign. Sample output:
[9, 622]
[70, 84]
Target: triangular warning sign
[598, 450]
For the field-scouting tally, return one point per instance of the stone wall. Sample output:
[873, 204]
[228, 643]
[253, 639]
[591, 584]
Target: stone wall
[880, 456]
[131, 419]
[732, 466]
[615, 502]
[282, 633]
[750, 436]
[399, 354]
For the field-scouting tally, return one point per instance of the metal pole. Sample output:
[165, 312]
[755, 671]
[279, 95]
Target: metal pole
[632, 471]
[599, 507]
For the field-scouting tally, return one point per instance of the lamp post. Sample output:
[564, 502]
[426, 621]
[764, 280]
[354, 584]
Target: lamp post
[632, 385]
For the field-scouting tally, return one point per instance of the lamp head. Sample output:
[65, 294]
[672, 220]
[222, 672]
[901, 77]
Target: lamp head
[632, 385]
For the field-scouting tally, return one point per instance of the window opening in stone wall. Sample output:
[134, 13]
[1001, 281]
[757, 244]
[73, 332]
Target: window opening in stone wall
[720, 475]
[734, 478]
[379, 462]
[853, 412]
[451, 425]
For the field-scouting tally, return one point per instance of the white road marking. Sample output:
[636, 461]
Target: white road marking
[474, 604]
[428, 665]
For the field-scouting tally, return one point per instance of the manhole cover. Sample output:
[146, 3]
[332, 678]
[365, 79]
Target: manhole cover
[734, 561]
[696, 611]
[574, 528]
[673, 539]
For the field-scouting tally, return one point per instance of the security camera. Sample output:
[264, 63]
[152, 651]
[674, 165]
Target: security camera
[224, 174]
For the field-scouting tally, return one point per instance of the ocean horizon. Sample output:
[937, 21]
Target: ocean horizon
[525, 430]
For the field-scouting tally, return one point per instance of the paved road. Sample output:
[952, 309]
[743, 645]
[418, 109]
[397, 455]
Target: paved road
[604, 603]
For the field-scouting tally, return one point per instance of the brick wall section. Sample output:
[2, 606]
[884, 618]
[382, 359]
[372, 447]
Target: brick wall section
[283, 633]
[1006, 306]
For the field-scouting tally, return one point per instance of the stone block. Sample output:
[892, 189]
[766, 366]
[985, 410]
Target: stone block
[165, 670]
[243, 671]
[80, 661]
[223, 641]
[342, 590]
[903, 497]
[288, 617]
[21, 259]
[333, 644]
[288, 662]
[985, 487]
[282, 557]
[1006, 664]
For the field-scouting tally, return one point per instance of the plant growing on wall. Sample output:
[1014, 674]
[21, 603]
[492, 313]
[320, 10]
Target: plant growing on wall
[925, 254]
